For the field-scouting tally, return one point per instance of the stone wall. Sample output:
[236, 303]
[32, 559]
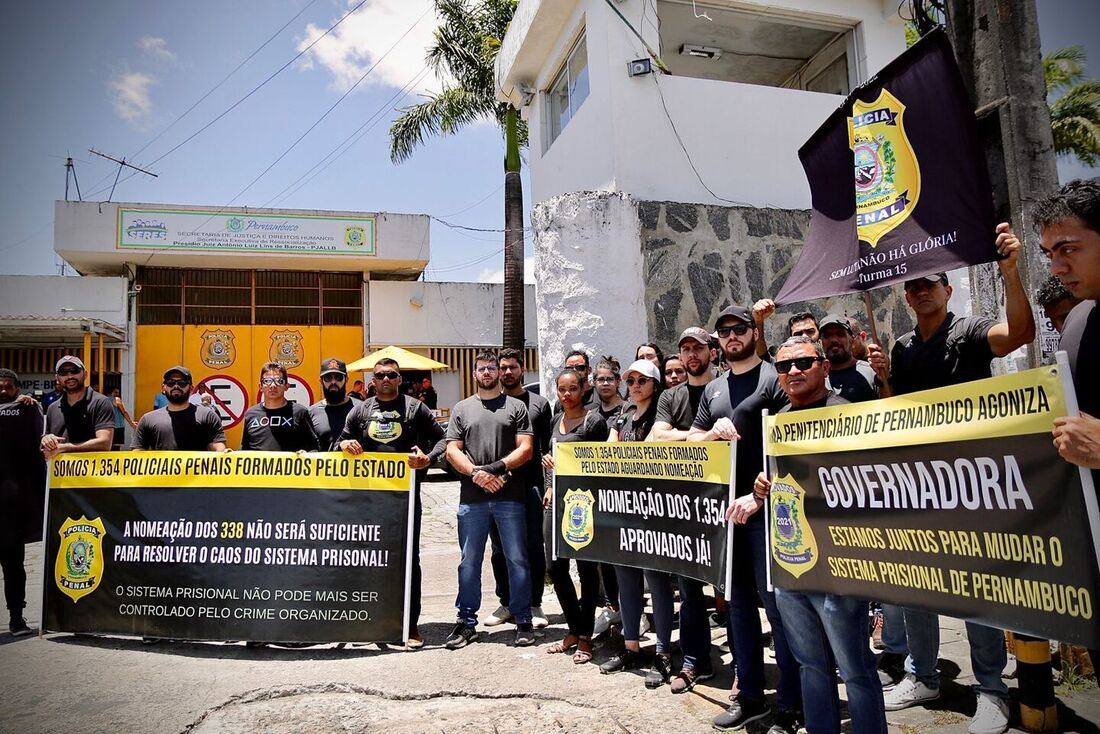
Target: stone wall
[700, 258]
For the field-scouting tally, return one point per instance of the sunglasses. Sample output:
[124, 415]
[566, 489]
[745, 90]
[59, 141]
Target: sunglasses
[802, 363]
[177, 383]
[640, 381]
[387, 376]
[606, 380]
[333, 377]
[269, 381]
[739, 329]
[70, 371]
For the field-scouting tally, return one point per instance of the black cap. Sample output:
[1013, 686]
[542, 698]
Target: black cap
[741, 313]
[834, 320]
[331, 365]
[931, 278]
[181, 369]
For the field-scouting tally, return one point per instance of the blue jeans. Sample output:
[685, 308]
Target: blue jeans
[473, 531]
[749, 580]
[893, 629]
[827, 632]
[988, 656]
[536, 555]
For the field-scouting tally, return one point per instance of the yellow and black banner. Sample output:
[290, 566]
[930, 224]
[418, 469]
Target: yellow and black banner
[658, 506]
[951, 500]
[264, 546]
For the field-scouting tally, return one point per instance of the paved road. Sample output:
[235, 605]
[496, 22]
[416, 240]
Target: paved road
[63, 682]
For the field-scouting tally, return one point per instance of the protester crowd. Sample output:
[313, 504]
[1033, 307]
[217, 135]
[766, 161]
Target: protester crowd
[713, 388]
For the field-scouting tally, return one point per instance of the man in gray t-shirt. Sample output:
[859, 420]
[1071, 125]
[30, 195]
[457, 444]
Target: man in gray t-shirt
[489, 437]
[181, 425]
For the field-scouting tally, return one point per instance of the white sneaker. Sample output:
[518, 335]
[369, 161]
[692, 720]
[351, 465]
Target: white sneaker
[908, 692]
[604, 620]
[991, 716]
[500, 616]
[538, 618]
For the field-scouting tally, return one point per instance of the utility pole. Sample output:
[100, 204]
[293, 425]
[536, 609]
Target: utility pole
[70, 171]
[997, 46]
[121, 164]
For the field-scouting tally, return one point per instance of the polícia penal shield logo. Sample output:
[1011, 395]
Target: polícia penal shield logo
[355, 236]
[286, 348]
[217, 349]
[577, 527]
[887, 176]
[793, 545]
[78, 568]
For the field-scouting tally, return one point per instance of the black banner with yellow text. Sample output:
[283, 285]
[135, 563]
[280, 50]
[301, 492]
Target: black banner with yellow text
[658, 506]
[951, 500]
[272, 547]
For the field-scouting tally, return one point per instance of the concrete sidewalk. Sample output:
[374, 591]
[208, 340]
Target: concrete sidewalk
[66, 682]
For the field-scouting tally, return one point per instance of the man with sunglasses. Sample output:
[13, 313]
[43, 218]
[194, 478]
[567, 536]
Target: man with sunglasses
[852, 379]
[275, 423]
[827, 632]
[181, 425]
[83, 419]
[331, 413]
[530, 474]
[390, 422]
[488, 439]
[730, 410]
[943, 350]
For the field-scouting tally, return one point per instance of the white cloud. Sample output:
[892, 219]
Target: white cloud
[360, 40]
[130, 95]
[156, 48]
[489, 275]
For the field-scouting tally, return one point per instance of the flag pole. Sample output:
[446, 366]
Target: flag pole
[871, 317]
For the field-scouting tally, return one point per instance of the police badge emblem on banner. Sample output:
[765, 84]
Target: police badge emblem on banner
[877, 217]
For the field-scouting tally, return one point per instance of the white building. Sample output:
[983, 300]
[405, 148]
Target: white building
[687, 183]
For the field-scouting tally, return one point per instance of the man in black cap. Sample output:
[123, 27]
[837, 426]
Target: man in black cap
[852, 379]
[943, 350]
[22, 492]
[82, 420]
[330, 414]
[731, 410]
[181, 425]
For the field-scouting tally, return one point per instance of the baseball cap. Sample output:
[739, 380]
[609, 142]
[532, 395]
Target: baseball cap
[741, 313]
[643, 367]
[834, 320]
[181, 369]
[694, 332]
[68, 359]
[331, 365]
[931, 278]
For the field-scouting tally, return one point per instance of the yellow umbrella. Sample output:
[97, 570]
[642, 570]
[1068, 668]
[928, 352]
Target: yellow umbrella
[405, 359]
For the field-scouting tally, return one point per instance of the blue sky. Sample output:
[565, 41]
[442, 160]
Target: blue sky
[113, 75]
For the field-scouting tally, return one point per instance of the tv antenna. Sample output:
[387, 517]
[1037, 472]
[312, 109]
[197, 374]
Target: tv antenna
[70, 172]
[121, 164]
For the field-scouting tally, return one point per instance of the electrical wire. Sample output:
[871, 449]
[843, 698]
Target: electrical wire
[475, 204]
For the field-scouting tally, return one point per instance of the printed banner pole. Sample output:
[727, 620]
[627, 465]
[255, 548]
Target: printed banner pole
[414, 490]
[767, 504]
[871, 316]
[1072, 409]
[729, 522]
[553, 504]
[46, 567]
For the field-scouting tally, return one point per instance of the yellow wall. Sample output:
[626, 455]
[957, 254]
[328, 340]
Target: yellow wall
[160, 347]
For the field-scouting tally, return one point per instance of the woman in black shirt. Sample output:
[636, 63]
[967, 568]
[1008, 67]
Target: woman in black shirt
[575, 423]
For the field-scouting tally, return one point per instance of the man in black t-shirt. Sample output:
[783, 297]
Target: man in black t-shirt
[852, 379]
[22, 492]
[390, 422]
[945, 350]
[83, 419]
[488, 440]
[1069, 228]
[530, 475]
[181, 425]
[331, 413]
[731, 410]
[275, 423]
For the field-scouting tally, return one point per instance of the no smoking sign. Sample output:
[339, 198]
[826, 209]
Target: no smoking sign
[229, 398]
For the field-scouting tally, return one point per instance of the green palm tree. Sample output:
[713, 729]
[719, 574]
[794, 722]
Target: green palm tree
[1075, 114]
[463, 56]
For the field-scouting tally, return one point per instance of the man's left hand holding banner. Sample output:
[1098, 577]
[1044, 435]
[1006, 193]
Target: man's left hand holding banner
[235, 546]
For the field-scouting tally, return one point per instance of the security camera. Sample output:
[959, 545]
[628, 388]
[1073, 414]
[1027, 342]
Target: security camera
[137, 288]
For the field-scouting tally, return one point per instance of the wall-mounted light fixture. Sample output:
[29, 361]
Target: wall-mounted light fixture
[639, 67]
[712, 53]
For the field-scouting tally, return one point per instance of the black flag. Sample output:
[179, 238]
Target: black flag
[898, 181]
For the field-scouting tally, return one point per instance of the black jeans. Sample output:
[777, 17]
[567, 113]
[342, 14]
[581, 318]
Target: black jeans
[15, 577]
[536, 555]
